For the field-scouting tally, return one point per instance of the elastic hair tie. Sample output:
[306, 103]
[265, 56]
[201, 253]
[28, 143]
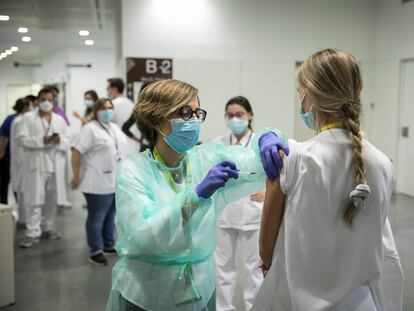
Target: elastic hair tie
[359, 195]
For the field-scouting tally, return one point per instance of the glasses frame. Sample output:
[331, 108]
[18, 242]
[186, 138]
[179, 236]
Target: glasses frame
[184, 114]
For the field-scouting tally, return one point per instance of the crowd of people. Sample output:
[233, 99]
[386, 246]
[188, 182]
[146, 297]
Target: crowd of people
[311, 216]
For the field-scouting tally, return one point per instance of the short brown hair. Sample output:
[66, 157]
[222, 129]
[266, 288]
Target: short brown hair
[158, 101]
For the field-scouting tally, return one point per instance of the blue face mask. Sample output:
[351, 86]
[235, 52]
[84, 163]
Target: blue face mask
[89, 103]
[184, 135]
[307, 117]
[109, 94]
[106, 116]
[237, 125]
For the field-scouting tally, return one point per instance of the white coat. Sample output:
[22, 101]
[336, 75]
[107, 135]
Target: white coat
[318, 262]
[16, 157]
[30, 136]
[243, 214]
[123, 108]
[102, 147]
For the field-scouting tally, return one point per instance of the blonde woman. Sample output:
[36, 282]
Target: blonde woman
[168, 199]
[334, 247]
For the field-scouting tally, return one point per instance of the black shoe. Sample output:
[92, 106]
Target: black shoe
[110, 252]
[98, 259]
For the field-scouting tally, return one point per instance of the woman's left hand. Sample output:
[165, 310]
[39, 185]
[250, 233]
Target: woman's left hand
[263, 268]
[258, 197]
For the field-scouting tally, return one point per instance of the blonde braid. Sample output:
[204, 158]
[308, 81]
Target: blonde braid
[351, 123]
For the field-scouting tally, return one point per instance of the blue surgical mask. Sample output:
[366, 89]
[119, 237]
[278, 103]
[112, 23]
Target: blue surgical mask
[307, 117]
[237, 125]
[89, 103]
[106, 116]
[184, 135]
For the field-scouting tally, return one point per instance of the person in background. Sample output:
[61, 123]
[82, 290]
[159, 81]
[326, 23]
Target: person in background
[123, 106]
[42, 135]
[325, 240]
[90, 98]
[56, 108]
[5, 150]
[168, 199]
[97, 151]
[17, 157]
[131, 123]
[238, 226]
[33, 101]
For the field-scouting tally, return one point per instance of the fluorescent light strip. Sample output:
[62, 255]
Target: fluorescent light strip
[26, 39]
[4, 18]
[89, 42]
[83, 33]
[22, 30]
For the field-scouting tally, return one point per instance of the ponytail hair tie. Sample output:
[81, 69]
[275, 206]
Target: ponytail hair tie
[359, 195]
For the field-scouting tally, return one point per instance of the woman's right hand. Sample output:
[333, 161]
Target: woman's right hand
[74, 184]
[216, 178]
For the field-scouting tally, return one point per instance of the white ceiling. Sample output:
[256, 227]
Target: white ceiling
[54, 24]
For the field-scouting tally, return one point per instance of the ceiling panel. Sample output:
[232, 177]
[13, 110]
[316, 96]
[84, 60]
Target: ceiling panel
[54, 24]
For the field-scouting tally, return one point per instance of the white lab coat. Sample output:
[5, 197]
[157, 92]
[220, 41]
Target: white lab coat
[17, 157]
[318, 262]
[101, 152]
[243, 214]
[30, 136]
[238, 228]
[123, 108]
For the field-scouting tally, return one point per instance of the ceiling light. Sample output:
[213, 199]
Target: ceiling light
[8, 52]
[83, 33]
[14, 49]
[4, 17]
[22, 30]
[4, 55]
[89, 42]
[26, 39]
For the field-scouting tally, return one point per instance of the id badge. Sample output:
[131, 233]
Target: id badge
[186, 296]
[185, 291]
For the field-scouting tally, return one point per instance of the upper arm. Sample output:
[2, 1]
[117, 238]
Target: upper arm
[85, 140]
[272, 215]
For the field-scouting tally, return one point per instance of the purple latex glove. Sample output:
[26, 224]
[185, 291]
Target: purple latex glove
[269, 145]
[216, 178]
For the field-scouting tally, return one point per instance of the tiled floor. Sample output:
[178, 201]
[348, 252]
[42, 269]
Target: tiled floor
[57, 275]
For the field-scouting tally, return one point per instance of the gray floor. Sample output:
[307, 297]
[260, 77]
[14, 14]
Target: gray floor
[57, 276]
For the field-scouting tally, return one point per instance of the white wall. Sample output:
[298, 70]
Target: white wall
[242, 47]
[11, 75]
[393, 44]
[78, 80]
[82, 79]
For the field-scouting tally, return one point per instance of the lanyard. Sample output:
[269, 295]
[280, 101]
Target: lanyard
[331, 126]
[248, 141]
[168, 174]
[113, 136]
[46, 129]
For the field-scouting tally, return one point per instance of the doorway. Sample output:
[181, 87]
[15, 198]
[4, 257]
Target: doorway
[405, 169]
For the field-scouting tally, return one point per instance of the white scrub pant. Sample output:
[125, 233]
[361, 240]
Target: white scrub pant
[39, 217]
[21, 207]
[225, 256]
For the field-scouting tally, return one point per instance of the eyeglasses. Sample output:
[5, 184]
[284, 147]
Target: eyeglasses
[186, 113]
[239, 115]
